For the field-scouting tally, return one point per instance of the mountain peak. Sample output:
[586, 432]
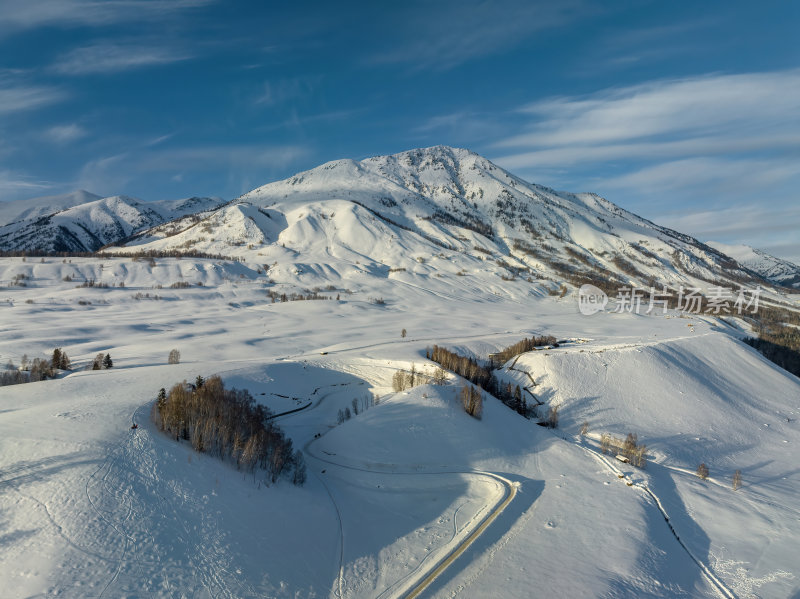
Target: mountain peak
[452, 199]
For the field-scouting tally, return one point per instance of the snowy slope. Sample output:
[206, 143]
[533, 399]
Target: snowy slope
[89, 225]
[413, 485]
[91, 508]
[451, 202]
[774, 269]
[36, 207]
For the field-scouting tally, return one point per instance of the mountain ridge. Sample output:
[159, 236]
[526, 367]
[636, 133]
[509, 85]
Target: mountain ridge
[444, 197]
[87, 226]
[447, 198]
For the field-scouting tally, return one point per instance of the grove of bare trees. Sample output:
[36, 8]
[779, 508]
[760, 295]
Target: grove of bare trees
[229, 424]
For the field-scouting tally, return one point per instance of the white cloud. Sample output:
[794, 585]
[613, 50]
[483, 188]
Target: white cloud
[108, 57]
[715, 105]
[113, 173]
[13, 184]
[708, 174]
[720, 151]
[774, 231]
[20, 15]
[446, 34]
[16, 98]
[64, 134]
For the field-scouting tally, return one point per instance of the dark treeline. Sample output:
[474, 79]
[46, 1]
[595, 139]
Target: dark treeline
[294, 297]
[520, 347]
[778, 337]
[33, 371]
[42, 253]
[228, 423]
[482, 376]
[462, 366]
[468, 221]
[140, 255]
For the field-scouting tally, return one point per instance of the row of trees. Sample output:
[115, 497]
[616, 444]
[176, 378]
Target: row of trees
[359, 404]
[32, 371]
[294, 297]
[463, 366]
[778, 338]
[480, 375]
[402, 380]
[520, 347]
[229, 424]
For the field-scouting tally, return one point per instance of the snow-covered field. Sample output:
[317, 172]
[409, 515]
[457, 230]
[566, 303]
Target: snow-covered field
[91, 508]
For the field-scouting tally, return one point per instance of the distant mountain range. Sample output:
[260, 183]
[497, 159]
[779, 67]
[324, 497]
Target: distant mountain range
[84, 222]
[400, 211]
[774, 269]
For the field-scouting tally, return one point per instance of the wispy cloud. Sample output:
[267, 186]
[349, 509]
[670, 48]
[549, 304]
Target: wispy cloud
[446, 34]
[110, 57]
[723, 105]
[20, 15]
[710, 145]
[64, 134]
[774, 231]
[240, 163]
[463, 127]
[725, 130]
[16, 97]
[13, 184]
[709, 174]
[274, 93]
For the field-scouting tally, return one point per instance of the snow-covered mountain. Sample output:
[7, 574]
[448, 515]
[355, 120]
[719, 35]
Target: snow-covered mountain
[774, 269]
[35, 207]
[407, 494]
[90, 224]
[447, 203]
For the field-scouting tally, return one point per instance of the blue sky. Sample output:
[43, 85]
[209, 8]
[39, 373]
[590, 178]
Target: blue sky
[687, 113]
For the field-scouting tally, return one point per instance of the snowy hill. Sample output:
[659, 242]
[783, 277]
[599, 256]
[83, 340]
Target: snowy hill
[36, 207]
[89, 225]
[407, 495]
[771, 268]
[443, 201]
[93, 508]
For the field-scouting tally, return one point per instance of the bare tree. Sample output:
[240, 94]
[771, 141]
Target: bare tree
[737, 480]
[174, 357]
[702, 471]
[552, 417]
[399, 381]
[472, 401]
[403, 333]
[584, 428]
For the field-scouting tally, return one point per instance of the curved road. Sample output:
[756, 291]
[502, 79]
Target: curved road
[423, 579]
